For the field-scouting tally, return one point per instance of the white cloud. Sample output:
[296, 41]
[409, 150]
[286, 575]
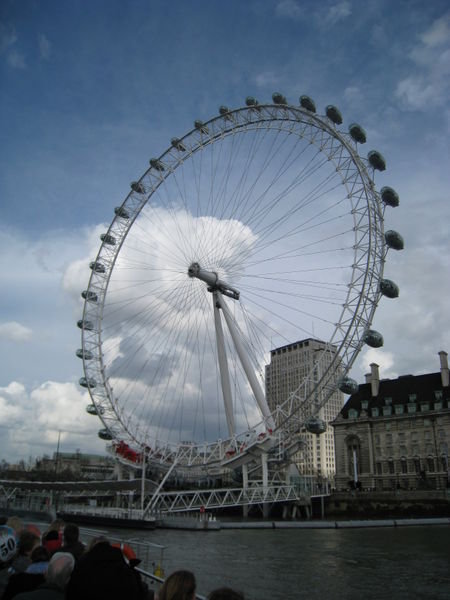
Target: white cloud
[16, 60]
[15, 332]
[266, 78]
[32, 421]
[44, 46]
[338, 12]
[429, 85]
[289, 9]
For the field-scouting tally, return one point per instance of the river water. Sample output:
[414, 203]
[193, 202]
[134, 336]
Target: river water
[374, 563]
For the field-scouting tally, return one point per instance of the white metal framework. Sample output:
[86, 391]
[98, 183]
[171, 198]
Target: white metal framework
[258, 227]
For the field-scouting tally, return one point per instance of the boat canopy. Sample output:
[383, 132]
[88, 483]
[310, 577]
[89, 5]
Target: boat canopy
[334, 114]
[389, 289]
[389, 196]
[394, 240]
[373, 338]
[347, 385]
[357, 133]
[308, 103]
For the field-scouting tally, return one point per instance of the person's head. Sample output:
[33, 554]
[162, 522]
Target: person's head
[15, 523]
[99, 539]
[28, 541]
[60, 569]
[180, 585]
[225, 593]
[56, 525]
[40, 554]
[71, 533]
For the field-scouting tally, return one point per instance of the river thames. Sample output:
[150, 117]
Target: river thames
[372, 563]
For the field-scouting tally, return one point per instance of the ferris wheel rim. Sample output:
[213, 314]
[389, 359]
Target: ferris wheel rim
[110, 413]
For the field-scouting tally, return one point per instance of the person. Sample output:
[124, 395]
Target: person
[225, 593]
[52, 539]
[40, 558]
[180, 585]
[103, 573]
[72, 542]
[57, 577]
[27, 542]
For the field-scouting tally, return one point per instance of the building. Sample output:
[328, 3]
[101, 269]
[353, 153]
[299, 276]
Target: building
[288, 368]
[394, 434]
[85, 466]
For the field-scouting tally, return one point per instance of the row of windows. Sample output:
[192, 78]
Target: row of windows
[399, 409]
[414, 465]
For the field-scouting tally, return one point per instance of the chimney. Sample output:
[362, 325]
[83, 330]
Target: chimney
[374, 379]
[444, 368]
[368, 376]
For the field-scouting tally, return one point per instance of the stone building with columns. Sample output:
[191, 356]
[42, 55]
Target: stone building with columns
[395, 433]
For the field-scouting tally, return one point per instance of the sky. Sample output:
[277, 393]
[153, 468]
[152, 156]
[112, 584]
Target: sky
[89, 91]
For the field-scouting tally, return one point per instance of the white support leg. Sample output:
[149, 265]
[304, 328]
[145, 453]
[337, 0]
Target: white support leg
[223, 368]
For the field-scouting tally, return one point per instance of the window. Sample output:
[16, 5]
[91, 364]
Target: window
[389, 438]
[411, 408]
[388, 400]
[430, 464]
[376, 437]
[375, 411]
[391, 467]
[399, 409]
[352, 413]
[364, 404]
[425, 406]
[404, 465]
[412, 397]
[378, 468]
[387, 410]
[438, 394]
[416, 461]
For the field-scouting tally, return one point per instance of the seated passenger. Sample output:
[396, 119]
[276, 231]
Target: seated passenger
[180, 585]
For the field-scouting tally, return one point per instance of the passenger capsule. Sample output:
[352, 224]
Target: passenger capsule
[308, 103]
[373, 338]
[250, 101]
[176, 143]
[105, 434]
[201, 127]
[122, 212]
[347, 385]
[137, 187]
[93, 410]
[389, 289]
[223, 110]
[278, 98]
[156, 164]
[97, 267]
[389, 196]
[108, 239]
[357, 133]
[376, 160]
[87, 382]
[315, 425]
[89, 296]
[88, 325]
[334, 114]
[86, 354]
[394, 240]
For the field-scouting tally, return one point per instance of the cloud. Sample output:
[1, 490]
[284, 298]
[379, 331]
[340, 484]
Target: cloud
[8, 37]
[429, 86]
[266, 79]
[15, 332]
[289, 9]
[338, 12]
[31, 421]
[16, 60]
[44, 46]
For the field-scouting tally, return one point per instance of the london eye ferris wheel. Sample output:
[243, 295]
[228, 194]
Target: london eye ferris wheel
[259, 227]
